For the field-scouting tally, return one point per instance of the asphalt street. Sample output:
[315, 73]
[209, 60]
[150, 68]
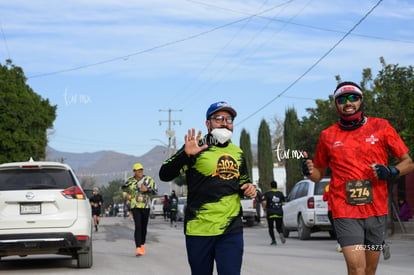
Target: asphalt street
[114, 253]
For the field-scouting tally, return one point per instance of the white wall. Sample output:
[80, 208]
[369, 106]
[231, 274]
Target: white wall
[279, 174]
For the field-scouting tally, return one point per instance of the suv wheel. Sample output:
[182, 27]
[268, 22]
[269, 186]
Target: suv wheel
[303, 230]
[85, 259]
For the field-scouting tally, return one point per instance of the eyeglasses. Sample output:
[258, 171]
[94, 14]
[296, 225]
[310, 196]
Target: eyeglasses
[343, 98]
[220, 119]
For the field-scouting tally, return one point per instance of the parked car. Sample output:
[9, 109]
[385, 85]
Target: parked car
[250, 211]
[305, 211]
[182, 203]
[43, 210]
[88, 192]
[156, 207]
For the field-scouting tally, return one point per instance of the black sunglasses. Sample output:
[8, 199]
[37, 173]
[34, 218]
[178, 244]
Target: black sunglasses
[343, 98]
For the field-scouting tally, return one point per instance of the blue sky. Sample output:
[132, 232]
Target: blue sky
[114, 68]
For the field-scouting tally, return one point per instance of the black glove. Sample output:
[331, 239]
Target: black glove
[386, 172]
[124, 186]
[305, 169]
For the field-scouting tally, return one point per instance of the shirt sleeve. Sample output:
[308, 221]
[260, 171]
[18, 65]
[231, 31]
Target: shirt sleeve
[174, 166]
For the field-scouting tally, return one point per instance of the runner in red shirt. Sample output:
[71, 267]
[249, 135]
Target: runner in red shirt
[356, 149]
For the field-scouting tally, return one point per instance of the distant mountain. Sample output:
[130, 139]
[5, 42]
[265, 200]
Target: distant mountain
[106, 166]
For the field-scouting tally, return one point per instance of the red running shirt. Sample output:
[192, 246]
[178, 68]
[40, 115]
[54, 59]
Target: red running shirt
[350, 154]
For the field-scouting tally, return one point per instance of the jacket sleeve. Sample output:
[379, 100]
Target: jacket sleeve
[244, 177]
[126, 188]
[174, 166]
[152, 186]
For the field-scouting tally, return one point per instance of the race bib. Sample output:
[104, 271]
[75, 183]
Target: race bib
[140, 198]
[359, 192]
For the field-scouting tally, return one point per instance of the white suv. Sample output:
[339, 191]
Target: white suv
[182, 203]
[157, 207]
[305, 211]
[43, 210]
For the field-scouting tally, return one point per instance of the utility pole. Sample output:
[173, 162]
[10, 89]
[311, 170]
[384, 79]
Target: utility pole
[170, 132]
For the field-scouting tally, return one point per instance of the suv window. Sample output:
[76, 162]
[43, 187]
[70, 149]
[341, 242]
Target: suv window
[303, 189]
[320, 187]
[22, 179]
[292, 194]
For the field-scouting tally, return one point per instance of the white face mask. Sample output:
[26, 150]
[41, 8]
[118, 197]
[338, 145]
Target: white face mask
[222, 134]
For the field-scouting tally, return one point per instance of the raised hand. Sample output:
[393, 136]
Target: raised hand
[191, 142]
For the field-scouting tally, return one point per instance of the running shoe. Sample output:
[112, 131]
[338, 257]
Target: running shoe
[282, 238]
[138, 251]
[386, 251]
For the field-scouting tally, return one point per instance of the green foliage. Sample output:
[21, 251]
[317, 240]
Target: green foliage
[112, 193]
[264, 156]
[320, 118]
[180, 180]
[24, 115]
[246, 146]
[393, 95]
[293, 137]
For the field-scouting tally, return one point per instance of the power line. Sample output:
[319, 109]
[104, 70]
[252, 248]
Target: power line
[314, 64]
[177, 41]
[125, 57]
[5, 41]
[289, 22]
[193, 95]
[252, 53]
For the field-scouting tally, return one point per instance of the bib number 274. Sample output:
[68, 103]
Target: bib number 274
[359, 192]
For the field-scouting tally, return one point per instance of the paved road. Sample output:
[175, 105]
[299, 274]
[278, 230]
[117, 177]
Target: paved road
[114, 254]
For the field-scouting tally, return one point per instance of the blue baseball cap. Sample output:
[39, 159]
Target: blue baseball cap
[220, 106]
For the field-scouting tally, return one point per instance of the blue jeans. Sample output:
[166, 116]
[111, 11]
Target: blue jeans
[226, 250]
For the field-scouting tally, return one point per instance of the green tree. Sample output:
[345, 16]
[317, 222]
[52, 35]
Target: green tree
[293, 141]
[24, 115]
[320, 118]
[180, 183]
[393, 93]
[264, 156]
[180, 180]
[277, 139]
[245, 145]
[112, 193]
